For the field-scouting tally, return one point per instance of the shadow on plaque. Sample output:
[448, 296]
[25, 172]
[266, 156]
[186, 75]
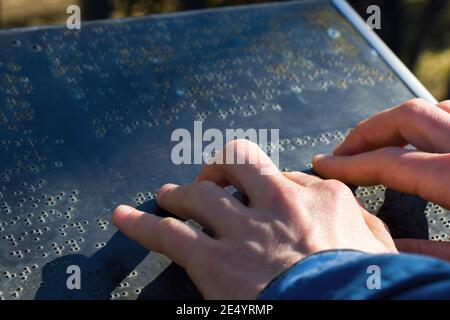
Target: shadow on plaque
[102, 272]
[405, 215]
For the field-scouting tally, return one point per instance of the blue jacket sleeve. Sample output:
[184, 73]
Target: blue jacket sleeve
[348, 274]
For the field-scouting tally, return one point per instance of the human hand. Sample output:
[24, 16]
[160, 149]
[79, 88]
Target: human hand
[289, 216]
[373, 153]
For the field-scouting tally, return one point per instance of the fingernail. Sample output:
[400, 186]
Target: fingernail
[321, 156]
[165, 188]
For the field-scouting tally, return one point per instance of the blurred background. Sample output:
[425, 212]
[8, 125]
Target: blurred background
[418, 31]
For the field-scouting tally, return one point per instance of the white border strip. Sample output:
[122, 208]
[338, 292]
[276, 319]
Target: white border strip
[383, 50]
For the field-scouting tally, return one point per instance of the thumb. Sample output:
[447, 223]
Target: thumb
[437, 249]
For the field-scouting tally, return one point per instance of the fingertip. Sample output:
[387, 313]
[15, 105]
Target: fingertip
[120, 214]
[318, 158]
[164, 189]
[346, 148]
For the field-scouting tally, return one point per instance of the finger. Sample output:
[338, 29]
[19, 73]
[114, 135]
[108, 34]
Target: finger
[409, 171]
[205, 202]
[169, 236]
[437, 249]
[248, 174]
[302, 178]
[379, 230]
[415, 122]
[444, 105]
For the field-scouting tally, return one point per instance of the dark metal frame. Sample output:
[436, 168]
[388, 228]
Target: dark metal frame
[383, 50]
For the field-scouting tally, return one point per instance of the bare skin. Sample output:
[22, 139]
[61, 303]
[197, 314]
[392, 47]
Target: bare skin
[373, 153]
[289, 216]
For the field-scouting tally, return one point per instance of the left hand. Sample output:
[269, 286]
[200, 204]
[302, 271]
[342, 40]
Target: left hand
[289, 216]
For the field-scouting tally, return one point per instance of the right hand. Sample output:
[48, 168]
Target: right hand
[373, 153]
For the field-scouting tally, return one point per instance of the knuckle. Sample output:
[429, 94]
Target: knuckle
[335, 187]
[389, 156]
[200, 188]
[167, 224]
[337, 197]
[416, 106]
[242, 219]
[391, 160]
[258, 227]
